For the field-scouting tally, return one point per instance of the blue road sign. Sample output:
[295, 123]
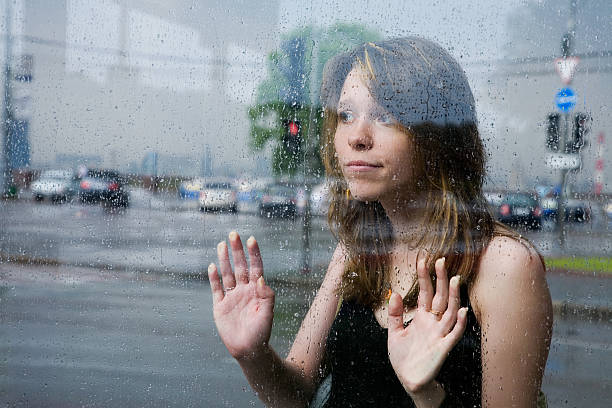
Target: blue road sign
[565, 99]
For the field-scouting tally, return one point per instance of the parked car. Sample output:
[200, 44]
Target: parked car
[190, 189]
[103, 186]
[278, 201]
[218, 196]
[54, 185]
[520, 210]
[575, 210]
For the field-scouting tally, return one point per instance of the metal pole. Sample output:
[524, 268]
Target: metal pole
[567, 42]
[561, 199]
[7, 117]
[312, 129]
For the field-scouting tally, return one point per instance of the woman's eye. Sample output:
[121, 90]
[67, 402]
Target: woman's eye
[345, 116]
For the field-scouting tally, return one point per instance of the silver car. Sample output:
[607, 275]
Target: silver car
[218, 197]
[55, 185]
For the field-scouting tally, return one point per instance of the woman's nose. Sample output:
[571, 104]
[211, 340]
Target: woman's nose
[361, 135]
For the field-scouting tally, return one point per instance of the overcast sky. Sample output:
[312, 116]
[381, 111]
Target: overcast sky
[175, 98]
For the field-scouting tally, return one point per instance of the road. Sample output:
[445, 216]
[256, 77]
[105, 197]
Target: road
[74, 336]
[124, 320]
[160, 232]
[154, 233]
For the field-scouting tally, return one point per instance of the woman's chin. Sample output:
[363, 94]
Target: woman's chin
[364, 195]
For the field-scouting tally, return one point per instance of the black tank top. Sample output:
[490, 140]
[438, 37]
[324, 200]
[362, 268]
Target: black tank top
[362, 375]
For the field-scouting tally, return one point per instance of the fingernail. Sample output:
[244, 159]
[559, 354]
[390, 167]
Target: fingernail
[221, 245]
[463, 311]
[233, 235]
[251, 240]
[260, 282]
[457, 279]
[211, 267]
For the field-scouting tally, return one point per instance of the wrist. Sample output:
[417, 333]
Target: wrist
[255, 357]
[429, 395]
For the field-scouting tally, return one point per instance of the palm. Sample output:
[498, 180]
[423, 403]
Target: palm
[243, 319]
[243, 306]
[418, 351]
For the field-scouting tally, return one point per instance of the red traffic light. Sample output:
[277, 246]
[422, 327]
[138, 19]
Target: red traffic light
[294, 128]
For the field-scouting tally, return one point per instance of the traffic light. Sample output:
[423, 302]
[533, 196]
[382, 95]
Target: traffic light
[552, 131]
[292, 138]
[581, 129]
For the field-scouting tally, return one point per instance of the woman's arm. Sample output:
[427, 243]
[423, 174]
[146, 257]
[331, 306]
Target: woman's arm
[309, 346]
[292, 382]
[512, 302]
[243, 311]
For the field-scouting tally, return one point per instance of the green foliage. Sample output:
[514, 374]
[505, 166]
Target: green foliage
[597, 265]
[270, 109]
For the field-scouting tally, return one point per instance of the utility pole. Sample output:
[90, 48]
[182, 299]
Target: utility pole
[7, 112]
[567, 42]
[312, 129]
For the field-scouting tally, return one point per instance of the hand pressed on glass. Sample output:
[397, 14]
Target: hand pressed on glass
[418, 351]
[243, 312]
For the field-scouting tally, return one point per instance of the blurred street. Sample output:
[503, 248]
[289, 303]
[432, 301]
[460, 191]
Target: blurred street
[116, 312]
[160, 232]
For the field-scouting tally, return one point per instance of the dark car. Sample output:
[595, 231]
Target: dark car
[520, 210]
[103, 186]
[278, 201]
[575, 210]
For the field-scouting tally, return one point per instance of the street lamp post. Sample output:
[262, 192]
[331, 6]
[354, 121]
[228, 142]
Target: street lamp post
[7, 113]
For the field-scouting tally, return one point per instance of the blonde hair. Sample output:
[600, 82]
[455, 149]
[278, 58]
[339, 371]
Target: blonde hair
[448, 163]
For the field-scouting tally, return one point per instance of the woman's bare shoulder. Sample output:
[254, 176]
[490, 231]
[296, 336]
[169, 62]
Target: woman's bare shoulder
[508, 268]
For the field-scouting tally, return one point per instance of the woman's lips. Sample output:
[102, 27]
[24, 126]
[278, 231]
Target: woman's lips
[360, 166]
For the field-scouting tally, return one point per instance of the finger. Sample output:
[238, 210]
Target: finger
[425, 288]
[215, 284]
[229, 281]
[263, 290]
[240, 264]
[256, 264]
[454, 336]
[395, 313]
[454, 302]
[440, 300]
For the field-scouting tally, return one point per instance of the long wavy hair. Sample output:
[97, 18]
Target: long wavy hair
[448, 165]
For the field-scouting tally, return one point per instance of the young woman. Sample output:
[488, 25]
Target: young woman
[427, 301]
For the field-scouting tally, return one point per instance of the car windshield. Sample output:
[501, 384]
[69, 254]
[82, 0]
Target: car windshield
[520, 200]
[218, 186]
[280, 191]
[104, 175]
[57, 175]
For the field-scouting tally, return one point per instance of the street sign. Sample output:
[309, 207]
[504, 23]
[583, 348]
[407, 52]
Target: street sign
[566, 68]
[562, 161]
[565, 99]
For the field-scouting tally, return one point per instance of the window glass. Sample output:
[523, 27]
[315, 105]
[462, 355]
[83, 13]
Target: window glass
[138, 134]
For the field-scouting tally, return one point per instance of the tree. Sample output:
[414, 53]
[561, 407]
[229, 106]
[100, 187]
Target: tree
[286, 95]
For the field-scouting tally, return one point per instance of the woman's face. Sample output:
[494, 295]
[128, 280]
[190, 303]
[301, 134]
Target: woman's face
[374, 155]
